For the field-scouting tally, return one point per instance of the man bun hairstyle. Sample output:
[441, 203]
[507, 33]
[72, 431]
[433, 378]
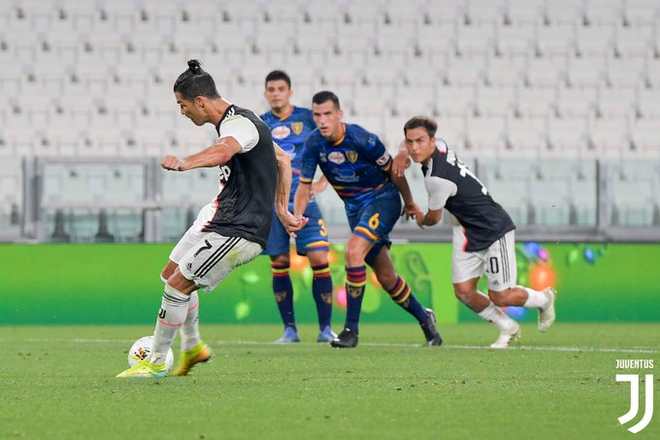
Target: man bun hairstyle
[277, 75]
[424, 122]
[326, 96]
[196, 82]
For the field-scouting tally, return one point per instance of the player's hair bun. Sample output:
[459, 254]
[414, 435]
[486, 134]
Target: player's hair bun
[195, 66]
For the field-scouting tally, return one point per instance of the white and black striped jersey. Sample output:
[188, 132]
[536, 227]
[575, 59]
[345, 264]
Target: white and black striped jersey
[452, 186]
[244, 207]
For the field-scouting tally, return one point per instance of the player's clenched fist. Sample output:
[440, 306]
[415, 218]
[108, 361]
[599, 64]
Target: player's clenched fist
[173, 163]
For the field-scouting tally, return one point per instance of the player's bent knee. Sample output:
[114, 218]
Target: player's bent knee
[178, 282]
[281, 259]
[499, 298]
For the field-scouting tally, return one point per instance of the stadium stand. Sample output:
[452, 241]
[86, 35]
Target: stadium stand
[540, 79]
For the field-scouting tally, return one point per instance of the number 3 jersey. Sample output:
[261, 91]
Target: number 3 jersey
[356, 165]
[452, 186]
[244, 207]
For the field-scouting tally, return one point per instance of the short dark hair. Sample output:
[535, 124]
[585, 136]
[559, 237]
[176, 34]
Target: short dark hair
[196, 82]
[326, 96]
[427, 124]
[277, 75]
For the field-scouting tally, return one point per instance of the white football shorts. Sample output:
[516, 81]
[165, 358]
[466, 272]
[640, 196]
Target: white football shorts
[206, 258]
[498, 261]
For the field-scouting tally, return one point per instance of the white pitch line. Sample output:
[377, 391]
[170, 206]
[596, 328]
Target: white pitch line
[385, 344]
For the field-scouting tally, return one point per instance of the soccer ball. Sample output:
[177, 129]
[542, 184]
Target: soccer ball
[141, 349]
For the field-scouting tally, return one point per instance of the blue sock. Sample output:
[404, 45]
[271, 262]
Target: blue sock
[322, 290]
[283, 291]
[400, 294]
[356, 279]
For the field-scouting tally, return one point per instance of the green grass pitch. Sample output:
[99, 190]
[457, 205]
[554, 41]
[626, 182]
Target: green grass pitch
[58, 382]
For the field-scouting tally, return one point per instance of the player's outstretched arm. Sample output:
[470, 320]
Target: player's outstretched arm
[431, 218]
[301, 199]
[401, 161]
[318, 186]
[217, 154]
[290, 223]
[410, 207]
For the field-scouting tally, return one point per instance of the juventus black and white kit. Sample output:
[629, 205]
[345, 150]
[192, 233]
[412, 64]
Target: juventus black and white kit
[233, 229]
[248, 180]
[483, 233]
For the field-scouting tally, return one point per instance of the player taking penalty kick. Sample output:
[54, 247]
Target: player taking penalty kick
[231, 230]
[483, 233]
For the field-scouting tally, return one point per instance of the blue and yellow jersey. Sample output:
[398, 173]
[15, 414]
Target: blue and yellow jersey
[289, 132]
[356, 166]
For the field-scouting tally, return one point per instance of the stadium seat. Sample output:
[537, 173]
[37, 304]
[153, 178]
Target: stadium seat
[495, 101]
[625, 72]
[436, 42]
[568, 136]
[440, 14]
[524, 11]
[592, 41]
[453, 130]
[577, 102]
[507, 71]
[586, 72]
[641, 12]
[475, 40]
[611, 137]
[536, 101]
[526, 136]
[465, 70]
[546, 72]
[603, 13]
[515, 40]
[649, 103]
[634, 41]
[485, 11]
[617, 103]
[568, 12]
[556, 40]
[486, 136]
[455, 101]
[645, 139]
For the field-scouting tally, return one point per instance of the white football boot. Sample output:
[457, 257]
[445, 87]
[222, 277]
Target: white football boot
[547, 314]
[507, 336]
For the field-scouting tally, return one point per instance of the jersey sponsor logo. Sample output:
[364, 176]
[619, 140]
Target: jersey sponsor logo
[297, 127]
[225, 172]
[382, 160]
[280, 132]
[352, 156]
[337, 157]
[345, 175]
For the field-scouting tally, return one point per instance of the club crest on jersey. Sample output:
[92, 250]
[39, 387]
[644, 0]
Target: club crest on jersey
[297, 127]
[337, 157]
[280, 132]
[352, 156]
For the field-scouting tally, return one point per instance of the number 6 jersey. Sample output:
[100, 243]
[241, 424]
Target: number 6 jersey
[452, 186]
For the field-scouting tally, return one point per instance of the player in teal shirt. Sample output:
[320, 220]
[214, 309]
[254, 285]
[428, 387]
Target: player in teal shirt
[289, 126]
[358, 167]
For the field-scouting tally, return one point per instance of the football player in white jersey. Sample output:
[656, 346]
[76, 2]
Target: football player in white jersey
[232, 230]
[483, 233]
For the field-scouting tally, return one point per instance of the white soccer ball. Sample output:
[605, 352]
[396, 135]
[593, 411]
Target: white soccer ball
[141, 349]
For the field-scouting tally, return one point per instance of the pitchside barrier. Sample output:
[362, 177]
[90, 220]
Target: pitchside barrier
[119, 283]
